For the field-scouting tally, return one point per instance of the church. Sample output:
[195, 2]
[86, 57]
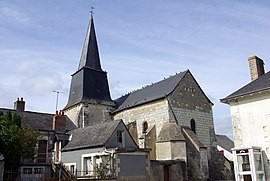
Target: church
[163, 131]
[171, 118]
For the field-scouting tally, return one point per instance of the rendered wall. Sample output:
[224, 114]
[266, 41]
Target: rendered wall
[76, 156]
[132, 166]
[251, 124]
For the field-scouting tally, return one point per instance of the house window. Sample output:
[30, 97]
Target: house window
[87, 165]
[38, 170]
[72, 169]
[120, 138]
[27, 170]
[193, 125]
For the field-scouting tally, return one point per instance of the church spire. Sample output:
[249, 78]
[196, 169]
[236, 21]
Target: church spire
[90, 54]
[89, 84]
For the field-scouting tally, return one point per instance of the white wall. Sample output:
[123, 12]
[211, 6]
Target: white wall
[251, 121]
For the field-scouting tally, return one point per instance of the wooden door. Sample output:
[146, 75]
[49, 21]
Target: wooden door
[166, 172]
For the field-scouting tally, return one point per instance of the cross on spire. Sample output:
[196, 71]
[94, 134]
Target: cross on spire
[92, 10]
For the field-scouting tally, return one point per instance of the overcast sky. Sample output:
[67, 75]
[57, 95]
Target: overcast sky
[140, 42]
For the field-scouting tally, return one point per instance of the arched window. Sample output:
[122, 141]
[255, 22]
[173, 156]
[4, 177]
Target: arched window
[145, 127]
[193, 125]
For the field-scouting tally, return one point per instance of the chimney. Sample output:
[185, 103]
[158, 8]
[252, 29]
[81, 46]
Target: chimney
[59, 122]
[256, 67]
[19, 105]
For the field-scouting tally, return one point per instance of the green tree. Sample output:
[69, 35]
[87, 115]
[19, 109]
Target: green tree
[16, 142]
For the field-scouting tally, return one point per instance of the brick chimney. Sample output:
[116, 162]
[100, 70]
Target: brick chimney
[256, 67]
[59, 122]
[19, 105]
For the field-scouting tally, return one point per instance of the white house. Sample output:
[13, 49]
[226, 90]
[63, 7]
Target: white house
[250, 113]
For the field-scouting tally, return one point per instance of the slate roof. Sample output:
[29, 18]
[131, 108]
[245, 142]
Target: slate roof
[152, 92]
[149, 93]
[39, 121]
[91, 136]
[170, 132]
[89, 83]
[260, 84]
[225, 142]
[90, 54]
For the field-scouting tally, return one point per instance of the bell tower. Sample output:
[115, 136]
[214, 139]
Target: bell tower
[89, 96]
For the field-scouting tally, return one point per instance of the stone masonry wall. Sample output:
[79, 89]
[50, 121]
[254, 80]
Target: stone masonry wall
[155, 113]
[89, 114]
[204, 125]
[189, 102]
[177, 170]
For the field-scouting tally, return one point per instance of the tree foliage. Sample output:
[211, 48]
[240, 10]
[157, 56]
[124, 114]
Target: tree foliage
[16, 142]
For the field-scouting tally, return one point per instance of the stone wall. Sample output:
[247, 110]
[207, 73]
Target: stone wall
[197, 166]
[219, 167]
[188, 101]
[172, 150]
[89, 114]
[203, 121]
[154, 113]
[176, 170]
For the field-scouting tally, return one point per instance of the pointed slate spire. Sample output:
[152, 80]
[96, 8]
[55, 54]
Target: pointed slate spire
[89, 84]
[90, 54]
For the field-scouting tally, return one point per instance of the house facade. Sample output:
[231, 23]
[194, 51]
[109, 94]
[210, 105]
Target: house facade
[105, 150]
[52, 138]
[250, 115]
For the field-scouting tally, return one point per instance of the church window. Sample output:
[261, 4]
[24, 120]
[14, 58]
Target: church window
[145, 127]
[193, 125]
